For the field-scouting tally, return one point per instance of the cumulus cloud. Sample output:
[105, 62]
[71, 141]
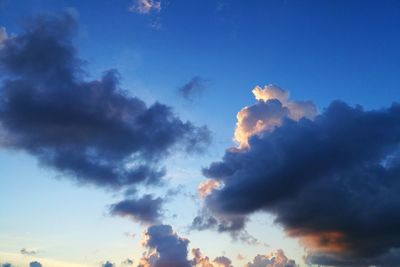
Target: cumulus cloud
[222, 261]
[240, 257]
[107, 264]
[273, 105]
[90, 131]
[146, 209]
[145, 6]
[330, 180]
[203, 261]
[199, 260]
[192, 88]
[165, 248]
[277, 259]
[35, 264]
[25, 251]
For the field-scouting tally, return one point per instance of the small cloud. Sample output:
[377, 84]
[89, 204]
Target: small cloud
[127, 262]
[130, 235]
[145, 6]
[25, 251]
[35, 264]
[107, 264]
[193, 88]
[146, 209]
[240, 257]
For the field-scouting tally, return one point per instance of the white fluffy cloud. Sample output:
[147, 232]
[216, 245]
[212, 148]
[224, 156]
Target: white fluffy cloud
[273, 105]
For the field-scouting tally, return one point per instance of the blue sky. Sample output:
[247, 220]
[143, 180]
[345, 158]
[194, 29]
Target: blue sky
[317, 50]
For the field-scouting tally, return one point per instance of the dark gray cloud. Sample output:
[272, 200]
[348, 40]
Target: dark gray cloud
[107, 264]
[146, 209]
[192, 88]
[89, 130]
[333, 182]
[35, 264]
[171, 250]
[167, 249]
[25, 251]
[232, 224]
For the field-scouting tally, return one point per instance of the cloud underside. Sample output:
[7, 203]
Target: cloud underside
[331, 180]
[90, 131]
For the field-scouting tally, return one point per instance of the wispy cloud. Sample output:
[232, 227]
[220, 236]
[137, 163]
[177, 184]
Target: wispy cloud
[29, 252]
[193, 88]
[145, 6]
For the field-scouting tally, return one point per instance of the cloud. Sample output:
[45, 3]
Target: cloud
[25, 251]
[222, 261]
[146, 209]
[130, 235]
[206, 187]
[331, 181]
[224, 223]
[145, 6]
[3, 35]
[199, 260]
[35, 264]
[127, 262]
[203, 261]
[273, 105]
[277, 259]
[107, 264]
[88, 130]
[165, 248]
[240, 257]
[192, 88]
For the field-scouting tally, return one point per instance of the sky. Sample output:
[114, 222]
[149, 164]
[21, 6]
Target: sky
[211, 133]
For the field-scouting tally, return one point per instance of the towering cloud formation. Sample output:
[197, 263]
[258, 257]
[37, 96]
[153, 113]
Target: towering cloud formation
[273, 105]
[332, 182]
[90, 131]
[166, 248]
